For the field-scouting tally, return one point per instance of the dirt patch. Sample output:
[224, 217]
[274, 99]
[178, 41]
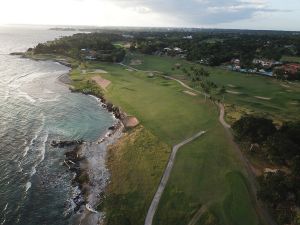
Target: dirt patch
[190, 93]
[130, 122]
[263, 98]
[233, 92]
[135, 62]
[103, 83]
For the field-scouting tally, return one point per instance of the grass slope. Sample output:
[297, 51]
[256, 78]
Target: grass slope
[135, 163]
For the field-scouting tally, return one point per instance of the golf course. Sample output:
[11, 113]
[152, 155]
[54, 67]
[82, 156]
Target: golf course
[259, 94]
[207, 174]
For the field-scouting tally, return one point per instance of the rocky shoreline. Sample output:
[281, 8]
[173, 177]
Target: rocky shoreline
[89, 182]
[87, 161]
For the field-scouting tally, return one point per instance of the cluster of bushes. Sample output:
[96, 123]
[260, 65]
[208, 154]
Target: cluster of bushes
[88, 87]
[281, 189]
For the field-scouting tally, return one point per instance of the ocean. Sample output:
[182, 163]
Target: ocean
[35, 186]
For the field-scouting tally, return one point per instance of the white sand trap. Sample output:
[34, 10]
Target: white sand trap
[190, 93]
[263, 98]
[233, 92]
[135, 62]
[294, 103]
[130, 70]
[284, 85]
[103, 83]
[231, 85]
[99, 71]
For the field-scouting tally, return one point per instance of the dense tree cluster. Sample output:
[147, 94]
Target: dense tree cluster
[220, 47]
[280, 190]
[98, 43]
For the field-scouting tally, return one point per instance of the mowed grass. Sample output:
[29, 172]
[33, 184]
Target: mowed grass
[290, 59]
[281, 99]
[202, 169]
[159, 104]
[206, 173]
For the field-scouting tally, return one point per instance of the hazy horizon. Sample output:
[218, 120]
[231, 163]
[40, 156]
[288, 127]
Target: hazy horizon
[230, 14]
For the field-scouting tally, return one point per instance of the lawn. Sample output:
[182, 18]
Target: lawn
[261, 94]
[206, 171]
[290, 59]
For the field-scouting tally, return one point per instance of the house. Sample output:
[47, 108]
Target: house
[127, 36]
[178, 50]
[266, 63]
[236, 62]
[189, 37]
[167, 49]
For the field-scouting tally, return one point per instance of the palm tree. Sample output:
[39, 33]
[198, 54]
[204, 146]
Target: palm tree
[222, 92]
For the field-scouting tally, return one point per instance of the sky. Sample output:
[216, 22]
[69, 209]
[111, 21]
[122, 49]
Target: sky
[233, 14]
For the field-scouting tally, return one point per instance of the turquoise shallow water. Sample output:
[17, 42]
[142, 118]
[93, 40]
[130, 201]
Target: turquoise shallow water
[35, 108]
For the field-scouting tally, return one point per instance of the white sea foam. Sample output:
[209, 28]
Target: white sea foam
[42, 151]
[37, 132]
[28, 186]
[5, 207]
[26, 149]
[27, 96]
[33, 171]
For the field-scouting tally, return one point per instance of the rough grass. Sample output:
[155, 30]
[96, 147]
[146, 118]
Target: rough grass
[200, 173]
[136, 163]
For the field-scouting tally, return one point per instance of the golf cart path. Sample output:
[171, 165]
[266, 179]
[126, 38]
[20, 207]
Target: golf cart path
[165, 178]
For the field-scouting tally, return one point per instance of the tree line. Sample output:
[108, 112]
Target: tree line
[280, 189]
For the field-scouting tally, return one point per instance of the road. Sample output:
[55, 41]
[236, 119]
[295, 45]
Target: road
[165, 178]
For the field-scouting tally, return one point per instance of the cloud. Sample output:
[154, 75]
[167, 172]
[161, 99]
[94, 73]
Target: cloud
[201, 12]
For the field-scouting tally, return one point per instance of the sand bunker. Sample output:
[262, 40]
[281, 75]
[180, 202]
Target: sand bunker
[99, 71]
[263, 98]
[231, 85]
[284, 85]
[233, 92]
[130, 122]
[103, 83]
[135, 62]
[190, 93]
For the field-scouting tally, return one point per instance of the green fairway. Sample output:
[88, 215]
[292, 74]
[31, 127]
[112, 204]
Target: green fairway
[202, 169]
[261, 94]
[206, 173]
